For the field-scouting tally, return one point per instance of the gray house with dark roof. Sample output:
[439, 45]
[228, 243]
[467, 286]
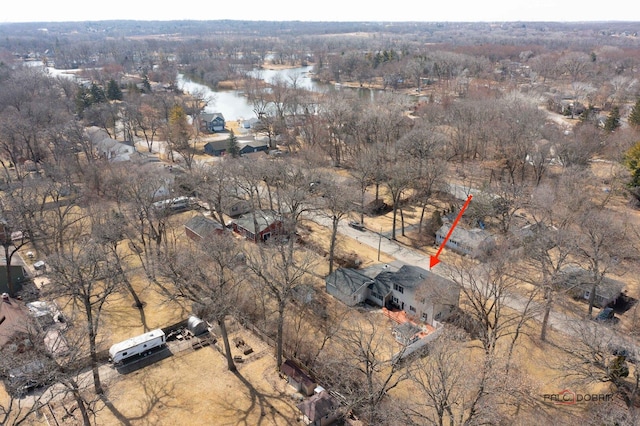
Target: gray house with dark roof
[578, 282]
[420, 293]
[348, 285]
[216, 148]
[321, 409]
[249, 147]
[200, 227]
[213, 122]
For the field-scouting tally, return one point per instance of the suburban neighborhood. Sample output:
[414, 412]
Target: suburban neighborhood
[337, 224]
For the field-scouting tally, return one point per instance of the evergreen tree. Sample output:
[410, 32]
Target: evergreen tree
[634, 116]
[113, 91]
[613, 120]
[146, 85]
[232, 148]
[97, 94]
[632, 161]
[82, 101]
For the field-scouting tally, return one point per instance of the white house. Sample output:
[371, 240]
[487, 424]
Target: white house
[107, 148]
[473, 242]
[423, 295]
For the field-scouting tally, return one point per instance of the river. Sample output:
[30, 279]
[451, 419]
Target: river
[234, 105]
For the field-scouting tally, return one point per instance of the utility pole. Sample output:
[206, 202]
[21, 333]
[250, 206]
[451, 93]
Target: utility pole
[379, 242]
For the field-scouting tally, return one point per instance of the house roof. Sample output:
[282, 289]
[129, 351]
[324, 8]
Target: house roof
[408, 276]
[13, 318]
[348, 280]
[577, 277]
[263, 219]
[217, 145]
[203, 226]
[104, 143]
[210, 116]
[252, 143]
[292, 370]
[319, 406]
[468, 237]
[432, 286]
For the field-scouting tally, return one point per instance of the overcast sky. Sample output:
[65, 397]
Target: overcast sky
[324, 10]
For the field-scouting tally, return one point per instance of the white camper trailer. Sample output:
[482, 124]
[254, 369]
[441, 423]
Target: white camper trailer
[136, 346]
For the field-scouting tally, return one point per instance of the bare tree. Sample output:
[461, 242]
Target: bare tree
[602, 244]
[496, 309]
[85, 276]
[364, 368]
[442, 378]
[400, 175]
[280, 268]
[204, 275]
[335, 202]
[596, 356]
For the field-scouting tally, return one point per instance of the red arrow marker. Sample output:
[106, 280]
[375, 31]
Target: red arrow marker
[434, 259]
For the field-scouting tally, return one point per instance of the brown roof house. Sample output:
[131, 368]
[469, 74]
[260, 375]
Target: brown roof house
[320, 410]
[259, 225]
[13, 318]
[298, 378]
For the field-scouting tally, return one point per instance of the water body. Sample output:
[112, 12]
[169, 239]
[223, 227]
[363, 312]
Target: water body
[234, 105]
[231, 103]
[300, 76]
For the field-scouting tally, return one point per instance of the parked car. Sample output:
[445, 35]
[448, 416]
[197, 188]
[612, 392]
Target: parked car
[606, 315]
[357, 225]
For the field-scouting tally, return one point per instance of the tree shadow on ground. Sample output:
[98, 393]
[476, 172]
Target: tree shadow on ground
[259, 407]
[156, 395]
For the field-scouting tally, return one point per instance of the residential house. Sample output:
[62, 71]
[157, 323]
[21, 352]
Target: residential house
[420, 293]
[472, 242]
[321, 409]
[19, 275]
[259, 225]
[13, 318]
[213, 122]
[297, 378]
[535, 233]
[348, 285]
[108, 148]
[238, 208]
[578, 282]
[216, 148]
[200, 227]
[249, 124]
[252, 146]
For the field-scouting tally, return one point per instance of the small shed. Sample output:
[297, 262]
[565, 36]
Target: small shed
[197, 326]
[298, 378]
[320, 410]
